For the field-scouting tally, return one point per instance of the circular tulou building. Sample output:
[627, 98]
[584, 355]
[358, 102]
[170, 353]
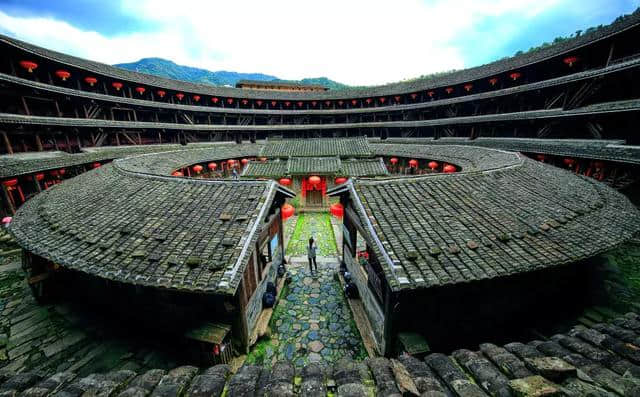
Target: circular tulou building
[466, 207]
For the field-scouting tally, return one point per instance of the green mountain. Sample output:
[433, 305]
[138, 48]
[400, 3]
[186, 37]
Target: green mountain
[165, 68]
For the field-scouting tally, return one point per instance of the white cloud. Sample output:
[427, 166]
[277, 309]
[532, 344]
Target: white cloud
[355, 42]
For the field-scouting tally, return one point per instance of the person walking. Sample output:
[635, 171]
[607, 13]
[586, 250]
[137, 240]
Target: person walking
[234, 174]
[311, 254]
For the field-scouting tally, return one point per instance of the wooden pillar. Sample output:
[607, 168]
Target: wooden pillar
[7, 143]
[7, 199]
[39, 143]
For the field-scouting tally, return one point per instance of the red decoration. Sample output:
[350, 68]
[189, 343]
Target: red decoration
[354, 102]
[327, 103]
[212, 166]
[433, 165]
[449, 90]
[6, 220]
[29, 65]
[383, 99]
[39, 177]
[231, 162]
[287, 211]
[285, 181]
[540, 157]
[287, 103]
[515, 75]
[570, 60]
[177, 173]
[493, 80]
[599, 164]
[314, 103]
[214, 100]
[397, 98]
[140, 90]
[569, 162]
[314, 180]
[90, 80]
[62, 171]
[368, 101]
[161, 93]
[274, 103]
[430, 93]
[198, 168]
[229, 101]
[63, 74]
[393, 160]
[216, 349]
[259, 102]
[337, 210]
[300, 104]
[10, 182]
[340, 180]
[244, 101]
[340, 103]
[54, 173]
[414, 96]
[468, 87]
[449, 168]
[413, 163]
[96, 165]
[196, 98]
[244, 161]
[179, 96]
[117, 85]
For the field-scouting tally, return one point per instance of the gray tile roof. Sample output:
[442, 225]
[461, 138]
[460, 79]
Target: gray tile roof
[317, 147]
[494, 219]
[458, 77]
[317, 165]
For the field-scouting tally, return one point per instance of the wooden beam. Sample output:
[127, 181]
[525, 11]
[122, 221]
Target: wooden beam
[7, 143]
[38, 142]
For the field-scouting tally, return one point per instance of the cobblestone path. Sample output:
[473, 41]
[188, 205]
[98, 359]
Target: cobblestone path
[318, 225]
[312, 322]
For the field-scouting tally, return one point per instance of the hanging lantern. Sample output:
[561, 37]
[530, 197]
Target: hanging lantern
[515, 76]
[314, 180]
[570, 60]
[413, 163]
[414, 96]
[212, 166]
[397, 98]
[327, 103]
[430, 93]
[285, 181]
[244, 101]
[337, 210]
[340, 180]
[230, 101]
[90, 80]
[393, 160]
[63, 74]
[216, 349]
[198, 168]
[468, 87]
[287, 103]
[29, 65]
[433, 165]
[96, 165]
[449, 90]
[340, 103]
[274, 103]
[10, 182]
[177, 173]
[368, 101]
[214, 100]
[117, 85]
[231, 162]
[6, 220]
[140, 90]
[383, 99]
[179, 96]
[493, 80]
[599, 164]
[244, 161]
[314, 103]
[196, 98]
[161, 93]
[54, 173]
[354, 102]
[259, 102]
[449, 168]
[62, 171]
[287, 211]
[569, 162]
[540, 157]
[300, 104]
[39, 177]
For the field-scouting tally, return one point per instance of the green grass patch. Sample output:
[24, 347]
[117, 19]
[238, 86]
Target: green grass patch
[317, 225]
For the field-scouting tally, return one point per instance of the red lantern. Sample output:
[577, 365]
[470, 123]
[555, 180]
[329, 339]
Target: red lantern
[96, 165]
[327, 103]
[161, 93]
[468, 87]
[39, 177]
[62, 171]
[179, 96]
[515, 75]
[287, 103]
[196, 98]
[337, 210]
[140, 90]
[430, 93]
[244, 101]
[6, 220]
[274, 103]
[10, 182]
[433, 165]
[117, 85]
[449, 90]
[570, 60]
[368, 101]
[414, 96]
[354, 102]
[340, 103]
[212, 166]
[177, 173]
[314, 180]
[393, 160]
[540, 157]
[383, 99]
[449, 168]
[569, 162]
[231, 162]
[259, 102]
[54, 173]
[300, 104]
[63, 74]
[287, 211]
[493, 80]
[397, 98]
[90, 80]
[216, 349]
[285, 181]
[244, 161]
[340, 180]
[198, 168]
[230, 101]
[314, 103]
[214, 100]
[29, 65]
[413, 163]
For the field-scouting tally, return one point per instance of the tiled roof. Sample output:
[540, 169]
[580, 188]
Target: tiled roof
[122, 223]
[458, 77]
[318, 165]
[266, 169]
[318, 147]
[489, 221]
[372, 167]
[598, 360]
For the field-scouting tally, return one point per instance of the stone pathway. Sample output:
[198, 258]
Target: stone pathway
[318, 225]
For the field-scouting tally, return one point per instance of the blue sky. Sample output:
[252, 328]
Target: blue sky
[355, 42]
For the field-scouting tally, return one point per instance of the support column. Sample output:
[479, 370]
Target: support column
[7, 143]
[7, 199]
